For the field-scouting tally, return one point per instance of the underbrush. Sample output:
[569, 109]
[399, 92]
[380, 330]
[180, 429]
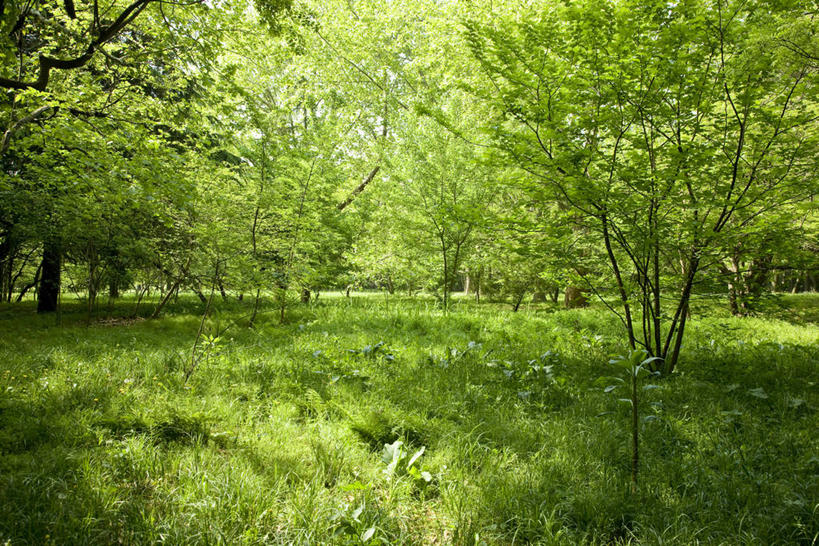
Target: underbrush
[279, 435]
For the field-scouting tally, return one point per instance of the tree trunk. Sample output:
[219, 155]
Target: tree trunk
[518, 302]
[574, 298]
[164, 300]
[30, 285]
[92, 285]
[199, 295]
[141, 291]
[635, 438]
[733, 303]
[255, 307]
[283, 304]
[51, 267]
[113, 287]
[305, 295]
[5, 269]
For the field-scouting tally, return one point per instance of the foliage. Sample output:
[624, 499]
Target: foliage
[661, 161]
[185, 185]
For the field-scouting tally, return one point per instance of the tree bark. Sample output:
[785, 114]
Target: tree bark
[51, 267]
[574, 298]
[255, 307]
[113, 287]
[361, 187]
[199, 295]
[30, 285]
[164, 300]
[5, 268]
[518, 301]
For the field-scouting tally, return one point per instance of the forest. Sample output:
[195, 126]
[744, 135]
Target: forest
[471, 272]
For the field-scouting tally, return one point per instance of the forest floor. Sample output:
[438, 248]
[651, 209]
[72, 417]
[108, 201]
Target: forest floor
[279, 435]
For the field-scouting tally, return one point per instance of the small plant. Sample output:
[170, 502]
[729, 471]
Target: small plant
[207, 347]
[453, 355]
[399, 462]
[631, 366]
[347, 521]
[537, 372]
[373, 351]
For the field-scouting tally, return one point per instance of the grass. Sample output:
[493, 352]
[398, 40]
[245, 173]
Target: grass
[277, 438]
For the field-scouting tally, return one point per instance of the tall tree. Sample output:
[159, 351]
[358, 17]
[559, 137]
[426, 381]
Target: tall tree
[657, 158]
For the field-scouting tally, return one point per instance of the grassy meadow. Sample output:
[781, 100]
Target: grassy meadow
[279, 434]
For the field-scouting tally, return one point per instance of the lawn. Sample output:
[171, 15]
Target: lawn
[279, 434]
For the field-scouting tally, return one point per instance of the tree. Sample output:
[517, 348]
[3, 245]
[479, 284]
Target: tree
[657, 159]
[444, 188]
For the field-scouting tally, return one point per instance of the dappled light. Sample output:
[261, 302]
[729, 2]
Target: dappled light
[409, 272]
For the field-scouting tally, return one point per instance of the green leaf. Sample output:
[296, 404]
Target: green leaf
[758, 392]
[415, 457]
[357, 512]
[392, 452]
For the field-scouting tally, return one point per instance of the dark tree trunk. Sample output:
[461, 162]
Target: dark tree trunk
[30, 285]
[733, 300]
[518, 301]
[305, 295]
[199, 295]
[164, 300]
[113, 287]
[49, 291]
[116, 275]
[6, 265]
[255, 307]
[477, 282]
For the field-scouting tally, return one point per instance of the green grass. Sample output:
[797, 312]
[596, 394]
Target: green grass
[277, 437]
